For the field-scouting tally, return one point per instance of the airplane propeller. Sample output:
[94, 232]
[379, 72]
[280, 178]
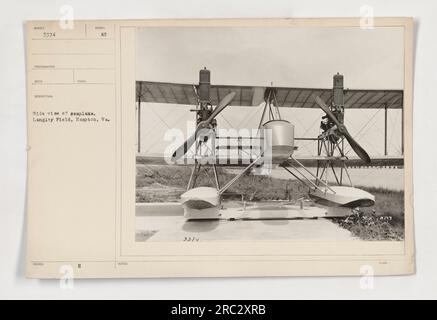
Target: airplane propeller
[343, 130]
[182, 150]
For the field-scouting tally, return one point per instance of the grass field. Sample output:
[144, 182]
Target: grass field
[383, 221]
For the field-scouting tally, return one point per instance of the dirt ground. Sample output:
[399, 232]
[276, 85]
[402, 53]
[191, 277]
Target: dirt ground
[284, 224]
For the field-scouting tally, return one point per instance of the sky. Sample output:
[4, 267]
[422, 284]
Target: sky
[295, 57]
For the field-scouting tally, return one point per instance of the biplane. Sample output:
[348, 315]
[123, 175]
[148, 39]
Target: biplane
[274, 143]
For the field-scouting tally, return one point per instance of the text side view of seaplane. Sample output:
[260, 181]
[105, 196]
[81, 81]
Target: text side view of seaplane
[273, 143]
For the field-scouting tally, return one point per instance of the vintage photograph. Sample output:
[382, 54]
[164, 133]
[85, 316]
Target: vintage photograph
[269, 134]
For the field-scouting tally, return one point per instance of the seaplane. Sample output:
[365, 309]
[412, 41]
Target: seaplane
[274, 143]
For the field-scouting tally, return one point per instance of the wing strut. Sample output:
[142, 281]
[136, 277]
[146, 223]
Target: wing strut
[309, 183]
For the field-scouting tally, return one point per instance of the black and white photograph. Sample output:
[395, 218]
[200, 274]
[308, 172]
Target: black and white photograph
[269, 134]
[218, 155]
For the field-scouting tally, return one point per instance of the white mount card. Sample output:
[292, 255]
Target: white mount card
[212, 148]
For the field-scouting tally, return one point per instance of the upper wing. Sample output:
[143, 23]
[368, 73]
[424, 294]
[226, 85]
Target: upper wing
[366, 99]
[178, 93]
[175, 93]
